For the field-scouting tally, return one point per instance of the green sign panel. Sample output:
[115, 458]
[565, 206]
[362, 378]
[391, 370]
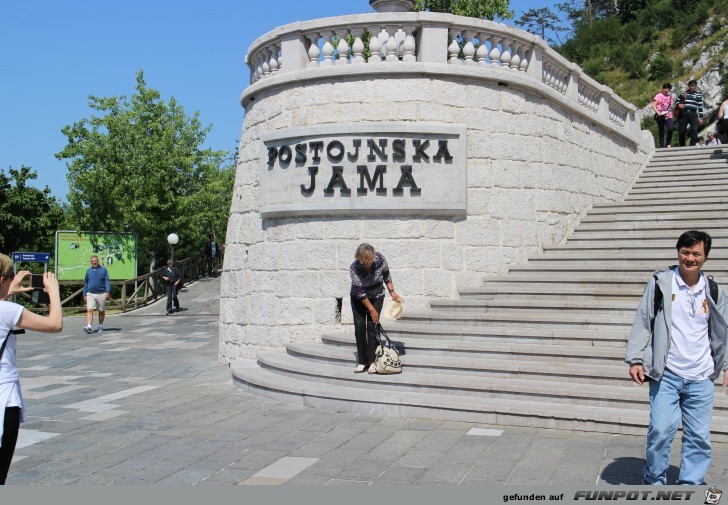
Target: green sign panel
[116, 251]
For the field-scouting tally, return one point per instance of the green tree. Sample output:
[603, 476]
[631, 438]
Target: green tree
[537, 21]
[139, 166]
[481, 9]
[29, 217]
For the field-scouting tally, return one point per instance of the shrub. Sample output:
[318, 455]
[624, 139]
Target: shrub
[661, 67]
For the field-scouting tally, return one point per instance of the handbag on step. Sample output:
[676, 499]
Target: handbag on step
[386, 357]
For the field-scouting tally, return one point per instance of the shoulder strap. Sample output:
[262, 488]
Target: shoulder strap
[658, 303]
[2, 348]
[713, 289]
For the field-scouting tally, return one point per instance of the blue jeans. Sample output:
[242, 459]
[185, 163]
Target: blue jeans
[673, 398]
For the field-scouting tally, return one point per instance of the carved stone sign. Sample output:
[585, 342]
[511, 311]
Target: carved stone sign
[394, 169]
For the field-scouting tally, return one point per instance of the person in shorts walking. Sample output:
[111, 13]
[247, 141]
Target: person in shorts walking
[96, 290]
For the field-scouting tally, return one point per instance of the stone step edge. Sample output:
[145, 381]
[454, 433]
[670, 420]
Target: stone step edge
[513, 348]
[467, 332]
[505, 412]
[527, 318]
[634, 395]
[595, 372]
[501, 412]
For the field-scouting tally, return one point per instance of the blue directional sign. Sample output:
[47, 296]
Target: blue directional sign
[32, 257]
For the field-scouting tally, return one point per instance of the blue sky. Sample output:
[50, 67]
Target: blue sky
[54, 54]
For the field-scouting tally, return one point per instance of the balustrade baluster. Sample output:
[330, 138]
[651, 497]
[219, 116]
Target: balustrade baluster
[515, 55]
[454, 48]
[409, 46]
[375, 44]
[505, 57]
[494, 54]
[313, 51]
[266, 59]
[522, 52]
[275, 60]
[482, 52]
[343, 48]
[392, 45]
[358, 46]
[327, 49]
[469, 48]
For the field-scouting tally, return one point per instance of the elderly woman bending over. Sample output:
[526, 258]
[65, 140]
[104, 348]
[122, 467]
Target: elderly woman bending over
[369, 273]
[12, 314]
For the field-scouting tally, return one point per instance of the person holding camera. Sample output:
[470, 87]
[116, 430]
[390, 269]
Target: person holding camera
[14, 315]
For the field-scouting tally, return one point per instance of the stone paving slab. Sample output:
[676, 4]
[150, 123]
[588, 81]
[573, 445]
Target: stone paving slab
[147, 402]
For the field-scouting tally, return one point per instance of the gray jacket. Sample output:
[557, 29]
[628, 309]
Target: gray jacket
[650, 348]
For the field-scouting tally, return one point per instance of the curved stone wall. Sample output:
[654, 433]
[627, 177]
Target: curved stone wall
[532, 164]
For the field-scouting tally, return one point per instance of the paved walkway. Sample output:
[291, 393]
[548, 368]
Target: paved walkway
[148, 402]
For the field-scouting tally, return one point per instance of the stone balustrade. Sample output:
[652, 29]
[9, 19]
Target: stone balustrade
[419, 42]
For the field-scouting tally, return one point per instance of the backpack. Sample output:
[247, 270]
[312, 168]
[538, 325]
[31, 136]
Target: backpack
[712, 287]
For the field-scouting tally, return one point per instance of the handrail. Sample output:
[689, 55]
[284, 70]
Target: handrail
[399, 41]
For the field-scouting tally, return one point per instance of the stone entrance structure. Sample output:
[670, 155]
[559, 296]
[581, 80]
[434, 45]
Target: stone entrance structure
[513, 199]
[456, 146]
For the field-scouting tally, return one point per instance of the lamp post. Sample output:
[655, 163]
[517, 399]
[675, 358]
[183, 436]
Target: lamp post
[172, 239]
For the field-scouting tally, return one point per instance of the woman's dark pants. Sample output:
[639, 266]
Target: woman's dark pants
[365, 330]
[10, 438]
[661, 124]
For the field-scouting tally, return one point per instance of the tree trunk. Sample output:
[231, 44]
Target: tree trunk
[152, 267]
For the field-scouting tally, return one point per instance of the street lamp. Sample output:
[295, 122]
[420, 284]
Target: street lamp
[172, 239]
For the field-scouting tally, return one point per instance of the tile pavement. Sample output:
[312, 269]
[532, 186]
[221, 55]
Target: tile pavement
[147, 402]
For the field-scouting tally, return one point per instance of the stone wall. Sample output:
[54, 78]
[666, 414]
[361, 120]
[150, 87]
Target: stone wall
[532, 167]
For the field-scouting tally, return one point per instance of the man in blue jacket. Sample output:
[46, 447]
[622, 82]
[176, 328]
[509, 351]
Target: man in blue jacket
[678, 345]
[96, 290]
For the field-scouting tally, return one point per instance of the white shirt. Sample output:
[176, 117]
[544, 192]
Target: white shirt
[689, 353]
[10, 395]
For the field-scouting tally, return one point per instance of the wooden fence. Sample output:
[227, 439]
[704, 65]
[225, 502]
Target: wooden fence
[135, 292]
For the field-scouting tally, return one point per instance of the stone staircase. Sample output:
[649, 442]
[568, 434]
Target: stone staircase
[542, 346]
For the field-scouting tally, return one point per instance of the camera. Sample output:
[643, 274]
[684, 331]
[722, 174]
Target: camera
[39, 296]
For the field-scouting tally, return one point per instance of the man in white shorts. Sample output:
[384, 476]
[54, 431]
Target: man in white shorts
[96, 290]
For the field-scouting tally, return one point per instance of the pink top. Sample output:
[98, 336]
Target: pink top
[664, 103]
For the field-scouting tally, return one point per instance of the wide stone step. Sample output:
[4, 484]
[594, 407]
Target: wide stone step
[659, 255]
[492, 333]
[627, 243]
[654, 195]
[603, 279]
[669, 228]
[714, 186]
[683, 221]
[556, 292]
[706, 178]
[571, 353]
[521, 319]
[608, 373]
[395, 401]
[682, 166]
[708, 208]
[623, 308]
[645, 234]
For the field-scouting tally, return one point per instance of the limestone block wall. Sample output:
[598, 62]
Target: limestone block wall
[532, 167]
